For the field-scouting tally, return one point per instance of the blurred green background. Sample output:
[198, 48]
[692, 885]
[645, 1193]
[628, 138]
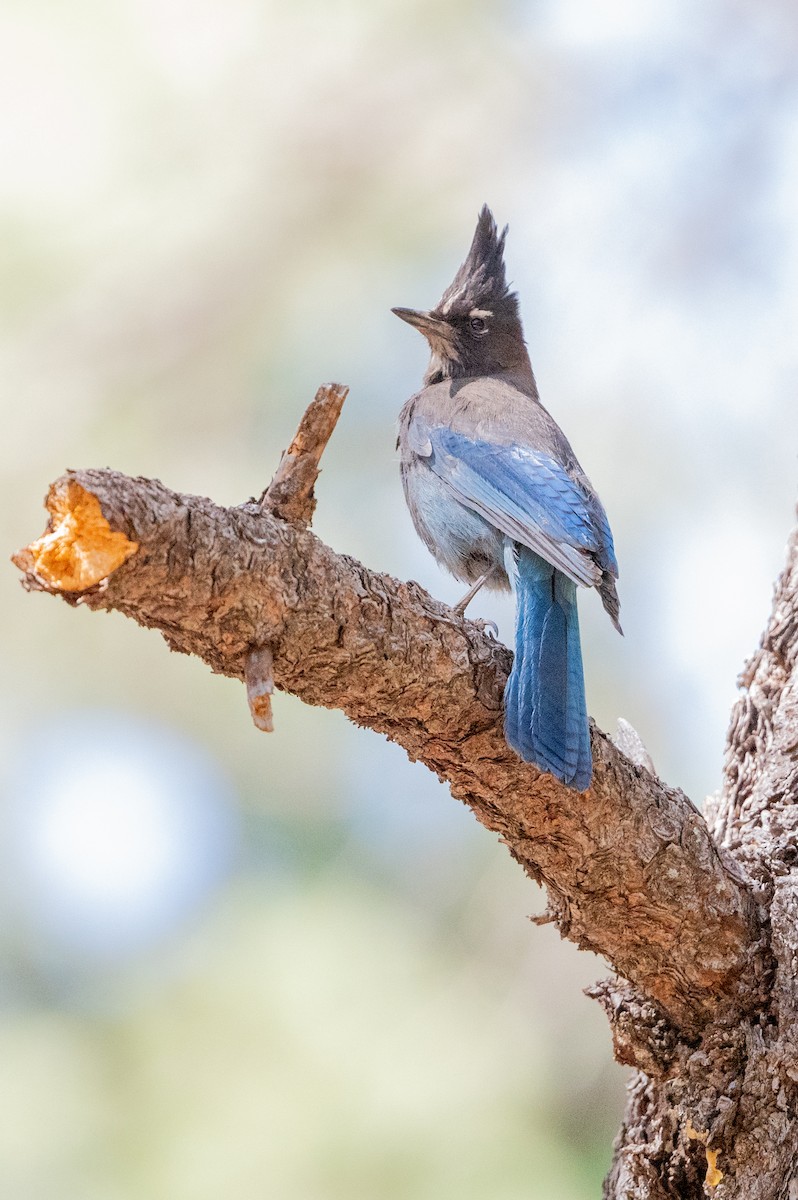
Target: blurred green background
[292, 966]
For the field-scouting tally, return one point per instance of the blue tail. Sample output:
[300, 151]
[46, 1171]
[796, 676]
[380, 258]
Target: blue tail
[545, 715]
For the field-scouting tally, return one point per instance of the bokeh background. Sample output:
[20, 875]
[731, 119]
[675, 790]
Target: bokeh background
[292, 966]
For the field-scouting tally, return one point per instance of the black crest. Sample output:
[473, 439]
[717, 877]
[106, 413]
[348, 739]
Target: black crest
[480, 281]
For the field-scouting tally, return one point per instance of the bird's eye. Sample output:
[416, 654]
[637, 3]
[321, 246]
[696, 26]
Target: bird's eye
[477, 324]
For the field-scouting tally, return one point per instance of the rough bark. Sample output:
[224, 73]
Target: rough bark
[702, 931]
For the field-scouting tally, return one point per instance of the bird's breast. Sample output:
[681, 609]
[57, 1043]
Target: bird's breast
[460, 539]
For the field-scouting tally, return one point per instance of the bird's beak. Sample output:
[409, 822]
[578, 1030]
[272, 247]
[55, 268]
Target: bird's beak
[439, 333]
[425, 322]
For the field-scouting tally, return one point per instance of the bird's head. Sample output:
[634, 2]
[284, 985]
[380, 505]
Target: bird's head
[475, 328]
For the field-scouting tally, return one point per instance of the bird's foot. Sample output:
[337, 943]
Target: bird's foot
[487, 627]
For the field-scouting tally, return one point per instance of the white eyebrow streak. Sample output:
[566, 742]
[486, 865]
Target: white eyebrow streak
[480, 312]
[447, 307]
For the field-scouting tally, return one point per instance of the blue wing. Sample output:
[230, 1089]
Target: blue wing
[530, 498]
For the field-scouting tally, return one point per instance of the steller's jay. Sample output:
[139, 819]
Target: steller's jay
[496, 493]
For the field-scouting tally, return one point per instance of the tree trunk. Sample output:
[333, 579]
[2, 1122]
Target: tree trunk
[698, 918]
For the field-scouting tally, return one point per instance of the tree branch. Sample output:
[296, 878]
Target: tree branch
[725, 1109]
[631, 869]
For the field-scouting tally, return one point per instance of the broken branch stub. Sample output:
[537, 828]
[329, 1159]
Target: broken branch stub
[259, 676]
[290, 495]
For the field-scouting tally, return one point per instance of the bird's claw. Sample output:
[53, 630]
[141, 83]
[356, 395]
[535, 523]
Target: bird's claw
[490, 628]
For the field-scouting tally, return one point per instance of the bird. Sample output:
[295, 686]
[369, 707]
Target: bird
[498, 496]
